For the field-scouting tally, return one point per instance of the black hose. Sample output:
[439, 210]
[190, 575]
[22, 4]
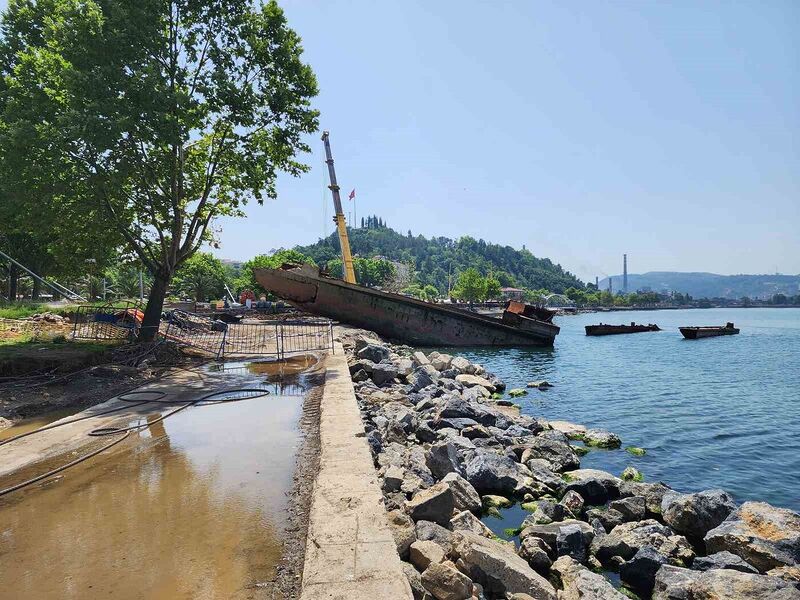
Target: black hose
[126, 431]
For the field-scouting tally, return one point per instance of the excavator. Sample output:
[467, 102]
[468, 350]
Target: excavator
[341, 225]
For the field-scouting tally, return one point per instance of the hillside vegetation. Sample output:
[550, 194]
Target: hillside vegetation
[433, 260]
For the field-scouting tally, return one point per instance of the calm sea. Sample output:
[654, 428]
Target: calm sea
[718, 412]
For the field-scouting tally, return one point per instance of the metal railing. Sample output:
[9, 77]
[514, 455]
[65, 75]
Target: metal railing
[267, 338]
[108, 322]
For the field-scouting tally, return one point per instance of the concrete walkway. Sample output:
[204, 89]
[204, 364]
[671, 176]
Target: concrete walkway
[350, 552]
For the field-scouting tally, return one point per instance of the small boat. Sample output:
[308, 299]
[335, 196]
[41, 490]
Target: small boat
[403, 318]
[695, 333]
[617, 329]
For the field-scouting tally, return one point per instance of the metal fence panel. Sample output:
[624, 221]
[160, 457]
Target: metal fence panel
[107, 322]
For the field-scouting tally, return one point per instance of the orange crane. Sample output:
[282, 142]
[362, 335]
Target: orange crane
[341, 225]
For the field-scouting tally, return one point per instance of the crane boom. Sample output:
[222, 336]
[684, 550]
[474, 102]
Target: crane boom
[341, 225]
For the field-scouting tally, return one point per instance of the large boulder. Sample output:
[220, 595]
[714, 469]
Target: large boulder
[383, 373]
[549, 533]
[465, 496]
[653, 494]
[763, 535]
[462, 365]
[676, 583]
[694, 515]
[440, 362]
[489, 472]
[639, 573]
[570, 541]
[595, 486]
[423, 552]
[422, 377]
[559, 454]
[443, 458]
[403, 531]
[472, 380]
[632, 508]
[428, 530]
[432, 504]
[497, 567]
[600, 438]
[466, 521]
[374, 352]
[537, 553]
[579, 583]
[625, 540]
[445, 582]
[722, 560]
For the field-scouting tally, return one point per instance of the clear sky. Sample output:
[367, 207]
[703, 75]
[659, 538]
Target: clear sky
[667, 130]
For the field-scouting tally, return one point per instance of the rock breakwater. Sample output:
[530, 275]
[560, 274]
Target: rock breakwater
[448, 448]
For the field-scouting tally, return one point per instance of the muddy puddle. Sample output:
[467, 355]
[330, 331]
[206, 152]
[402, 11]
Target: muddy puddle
[193, 506]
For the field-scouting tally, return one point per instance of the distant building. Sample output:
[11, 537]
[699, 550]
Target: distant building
[510, 293]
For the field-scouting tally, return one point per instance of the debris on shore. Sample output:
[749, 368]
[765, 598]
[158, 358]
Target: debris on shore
[446, 451]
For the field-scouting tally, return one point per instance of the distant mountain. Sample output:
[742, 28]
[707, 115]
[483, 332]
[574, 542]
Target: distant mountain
[435, 259]
[709, 285]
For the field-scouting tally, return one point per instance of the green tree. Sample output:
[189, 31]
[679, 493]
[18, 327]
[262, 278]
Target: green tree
[372, 272]
[470, 286]
[165, 115]
[200, 277]
[247, 278]
[492, 288]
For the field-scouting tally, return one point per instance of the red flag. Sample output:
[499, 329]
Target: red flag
[352, 194]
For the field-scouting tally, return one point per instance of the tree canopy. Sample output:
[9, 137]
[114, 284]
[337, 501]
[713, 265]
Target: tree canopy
[201, 277]
[247, 278]
[163, 115]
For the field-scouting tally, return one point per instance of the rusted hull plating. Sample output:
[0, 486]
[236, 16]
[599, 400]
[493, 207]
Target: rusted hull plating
[696, 333]
[396, 316]
[595, 330]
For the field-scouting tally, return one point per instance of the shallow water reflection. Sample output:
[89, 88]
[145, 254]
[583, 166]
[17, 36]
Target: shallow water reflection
[191, 507]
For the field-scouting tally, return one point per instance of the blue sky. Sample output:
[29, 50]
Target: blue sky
[667, 130]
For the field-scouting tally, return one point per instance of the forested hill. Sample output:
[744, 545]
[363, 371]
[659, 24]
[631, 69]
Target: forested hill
[433, 258]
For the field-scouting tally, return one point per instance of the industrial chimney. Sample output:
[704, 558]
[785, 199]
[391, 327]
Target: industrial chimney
[625, 273]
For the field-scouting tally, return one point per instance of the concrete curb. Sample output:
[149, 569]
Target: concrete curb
[350, 551]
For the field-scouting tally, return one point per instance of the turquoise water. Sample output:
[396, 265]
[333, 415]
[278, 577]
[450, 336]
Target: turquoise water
[717, 412]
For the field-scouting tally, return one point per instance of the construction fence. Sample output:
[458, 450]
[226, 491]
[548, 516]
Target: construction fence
[278, 338]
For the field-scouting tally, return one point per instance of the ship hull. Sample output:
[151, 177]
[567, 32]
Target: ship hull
[596, 330]
[696, 333]
[398, 317]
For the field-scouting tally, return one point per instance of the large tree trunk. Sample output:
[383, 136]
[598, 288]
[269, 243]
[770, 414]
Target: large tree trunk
[37, 288]
[155, 304]
[13, 281]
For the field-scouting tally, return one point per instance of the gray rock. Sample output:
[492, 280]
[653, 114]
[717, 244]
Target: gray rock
[422, 377]
[639, 573]
[633, 508]
[432, 504]
[473, 380]
[461, 364]
[404, 367]
[441, 362]
[403, 531]
[676, 583]
[600, 438]
[420, 359]
[446, 582]
[608, 517]
[544, 512]
[466, 521]
[393, 478]
[465, 496]
[475, 431]
[489, 472]
[374, 352]
[549, 532]
[497, 567]
[571, 542]
[383, 373]
[558, 453]
[625, 540]
[415, 581]
[537, 554]
[596, 487]
[457, 423]
[579, 583]
[572, 500]
[763, 535]
[790, 574]
[541, 471]
[424, 552]
[695, 515]
[425, 434]
[360, 375]
[427, 530]
[722, 560]
[653, 494]
[443, 458]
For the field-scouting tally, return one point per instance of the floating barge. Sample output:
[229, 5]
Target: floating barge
[408, 319]
[602, 329]
[695, 333]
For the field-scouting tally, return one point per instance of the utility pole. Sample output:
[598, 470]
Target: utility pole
[341, 224]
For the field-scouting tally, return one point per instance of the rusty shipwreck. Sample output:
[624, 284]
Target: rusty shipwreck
[407, 319]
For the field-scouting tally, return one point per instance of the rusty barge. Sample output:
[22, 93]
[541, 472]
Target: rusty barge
[696, 333]
[403, 318]
[601, 329]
